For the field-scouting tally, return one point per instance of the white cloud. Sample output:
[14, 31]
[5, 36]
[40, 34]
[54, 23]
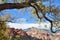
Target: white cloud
[26, 26]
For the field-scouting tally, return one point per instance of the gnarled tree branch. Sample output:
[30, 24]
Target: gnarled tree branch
[13, 5]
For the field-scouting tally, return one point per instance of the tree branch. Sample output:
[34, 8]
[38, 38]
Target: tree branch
[51, 28]
[13, 5]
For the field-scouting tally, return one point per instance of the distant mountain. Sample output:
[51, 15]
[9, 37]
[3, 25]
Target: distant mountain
[41, 30]
[33, 28]
[34, 32]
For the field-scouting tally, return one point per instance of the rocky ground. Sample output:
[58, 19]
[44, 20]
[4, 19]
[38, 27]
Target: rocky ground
[33, 34]
[43, 34]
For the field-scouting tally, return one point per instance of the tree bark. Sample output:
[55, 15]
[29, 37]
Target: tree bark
[13, 5]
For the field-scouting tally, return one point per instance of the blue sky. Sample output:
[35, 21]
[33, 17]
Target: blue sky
[25, 18]
[21, 16]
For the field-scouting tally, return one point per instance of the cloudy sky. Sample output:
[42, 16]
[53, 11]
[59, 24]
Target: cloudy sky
[24, 15]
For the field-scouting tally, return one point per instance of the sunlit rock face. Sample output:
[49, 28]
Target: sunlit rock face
[40, 34]
[23, 35]
[34, 34]
[16, 32]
